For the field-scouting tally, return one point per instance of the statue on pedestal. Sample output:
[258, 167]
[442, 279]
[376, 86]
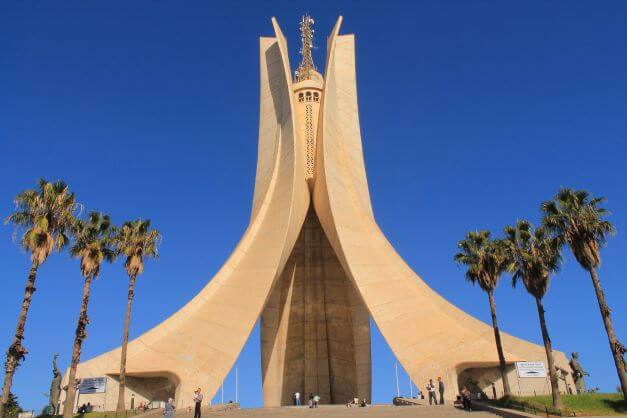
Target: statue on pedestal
[55, 387]
[578, 373]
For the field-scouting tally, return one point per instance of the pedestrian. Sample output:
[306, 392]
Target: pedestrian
[493, 391]
[431, 390]
[316, 400]
[441, 390]
[197, 402]
[168, 411]
[297, 398]
[466, 398]
[311, 400]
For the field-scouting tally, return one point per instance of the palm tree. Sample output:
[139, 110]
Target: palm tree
[486, 260]
[136, 241]
[576, 219]
[93, 245]
[46, 216]
[534, 255]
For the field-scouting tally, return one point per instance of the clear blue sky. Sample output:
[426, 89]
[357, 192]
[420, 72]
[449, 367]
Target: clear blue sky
[472, 113]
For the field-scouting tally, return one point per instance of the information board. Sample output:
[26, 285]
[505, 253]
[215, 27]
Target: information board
[530, 369]
[93, 385]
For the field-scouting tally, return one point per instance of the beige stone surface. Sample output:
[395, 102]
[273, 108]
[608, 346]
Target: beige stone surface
[316, 287]
[198, 345]
[315, 330]
[397, 298]
[341, 411]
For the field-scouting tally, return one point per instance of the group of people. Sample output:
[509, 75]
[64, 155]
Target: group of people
[431, 390]
[356, 402]
[464, 394]
[168, 410]
[85, 408]
[313, 401]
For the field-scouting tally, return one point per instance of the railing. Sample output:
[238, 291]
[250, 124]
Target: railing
[535, 409]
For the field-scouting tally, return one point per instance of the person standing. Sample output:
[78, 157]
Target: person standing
[197, 402]
[297, 398]
[441, 390]
[493, 391]
[316, 400]
[431, 390]
[168, 411]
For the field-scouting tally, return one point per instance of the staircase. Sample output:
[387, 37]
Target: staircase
[337, 411]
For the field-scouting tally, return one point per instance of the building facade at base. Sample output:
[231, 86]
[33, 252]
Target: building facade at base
[315, 267]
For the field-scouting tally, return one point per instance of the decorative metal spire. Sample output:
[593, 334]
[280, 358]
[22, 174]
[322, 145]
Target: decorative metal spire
[303, 72]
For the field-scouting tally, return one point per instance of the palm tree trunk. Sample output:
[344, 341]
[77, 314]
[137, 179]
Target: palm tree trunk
[557, 397]
[16, 351]
[127, 322]
[83, 320]
[499, 344]
[617, 348]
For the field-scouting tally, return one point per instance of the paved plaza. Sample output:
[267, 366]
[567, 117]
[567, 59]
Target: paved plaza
[341, 411]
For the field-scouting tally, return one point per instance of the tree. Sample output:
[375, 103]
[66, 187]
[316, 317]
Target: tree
[13, 406]
[486, 260]
[533, 256]
[93, 245]
[45, 215]
[576, 219]
[136, 241]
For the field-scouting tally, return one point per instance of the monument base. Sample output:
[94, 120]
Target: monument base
[315, 330]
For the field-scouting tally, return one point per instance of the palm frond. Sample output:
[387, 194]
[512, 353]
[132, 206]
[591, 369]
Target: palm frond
[45, 215]
[575, 217]
[137, 241]
[533, 256]
[484, 258]
[93, 243]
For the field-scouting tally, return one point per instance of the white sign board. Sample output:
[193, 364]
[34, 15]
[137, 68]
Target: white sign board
[530, 369]
[93, 385]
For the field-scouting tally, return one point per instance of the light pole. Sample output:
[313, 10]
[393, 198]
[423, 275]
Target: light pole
[398, 389]
[236, 388]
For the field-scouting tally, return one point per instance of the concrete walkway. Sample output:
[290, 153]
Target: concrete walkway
[340, 411]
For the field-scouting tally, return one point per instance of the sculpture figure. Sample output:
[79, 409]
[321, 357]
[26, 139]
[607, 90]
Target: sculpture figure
[55, 387]
[578, 373]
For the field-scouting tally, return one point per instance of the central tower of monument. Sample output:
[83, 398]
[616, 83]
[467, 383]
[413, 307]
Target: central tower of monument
[314, 266]
[315, 329]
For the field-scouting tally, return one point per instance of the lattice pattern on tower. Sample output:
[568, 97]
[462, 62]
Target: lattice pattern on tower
[303, 72]
[309, 134]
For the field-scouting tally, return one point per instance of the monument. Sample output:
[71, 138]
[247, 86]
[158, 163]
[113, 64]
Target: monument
[314, 266]
[578, 373]
[55, 388]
